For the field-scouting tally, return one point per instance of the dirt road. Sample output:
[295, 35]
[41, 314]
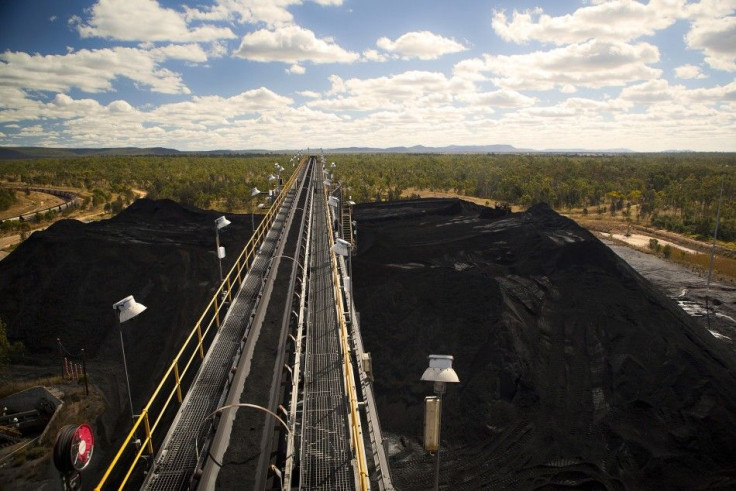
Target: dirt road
[689, 288]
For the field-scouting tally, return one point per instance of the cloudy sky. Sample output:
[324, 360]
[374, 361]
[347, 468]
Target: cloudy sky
[275, 74]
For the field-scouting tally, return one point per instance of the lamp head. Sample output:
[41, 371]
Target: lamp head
[333, 201]
[222, 222]
[440, 370]
[341, 247]
[128, 308]
[254, 192]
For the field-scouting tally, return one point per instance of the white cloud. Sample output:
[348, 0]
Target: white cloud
[655, 91]
[409, 89]
[499, 98]
[614, 20]
[144, 20]
[292, 44]
[296, 70]
[272, 13]
[373, 55]
[93, 70]
[592, 64]
[309, 93]
[424, 45]
[688, 72]
[717, 38]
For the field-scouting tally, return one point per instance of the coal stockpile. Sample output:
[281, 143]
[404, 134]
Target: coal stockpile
[62, 283]
[575, 371]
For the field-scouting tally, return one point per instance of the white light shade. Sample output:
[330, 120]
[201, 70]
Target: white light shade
[271, 177]
[254, 192]
[440, 370]
[221, 252]
[260, 206]
[332, 165]
[341, 247]
[128, 308]
[222, 222]
[334, 202]
[351, 203]
[327, 182]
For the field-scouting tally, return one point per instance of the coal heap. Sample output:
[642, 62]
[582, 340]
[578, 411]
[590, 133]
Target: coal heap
[62, 283]
[575, 371]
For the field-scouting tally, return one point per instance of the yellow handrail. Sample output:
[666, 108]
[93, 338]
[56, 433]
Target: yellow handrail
[210, 316]
[356, 433]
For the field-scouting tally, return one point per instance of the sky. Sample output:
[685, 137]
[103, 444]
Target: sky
[651, 75]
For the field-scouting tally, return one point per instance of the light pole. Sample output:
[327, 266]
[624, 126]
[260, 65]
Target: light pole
[221, 222]
[127, 308]
[343, 248]
[441, 373]
[254, 193]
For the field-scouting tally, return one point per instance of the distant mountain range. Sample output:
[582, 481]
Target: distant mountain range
[44, 152]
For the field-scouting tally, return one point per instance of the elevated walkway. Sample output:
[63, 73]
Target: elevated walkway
[177, 459]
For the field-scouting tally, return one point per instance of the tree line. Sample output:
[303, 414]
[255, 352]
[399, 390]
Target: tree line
[678, 192]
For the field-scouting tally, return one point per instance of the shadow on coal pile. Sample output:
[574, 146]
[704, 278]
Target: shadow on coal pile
[575, 371]
[62, 283]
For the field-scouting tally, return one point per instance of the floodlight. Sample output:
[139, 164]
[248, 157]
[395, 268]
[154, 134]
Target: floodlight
[440, 370]
[341, 247]
[271, 177]
[333, 201]
[222, 222]
[261, 206]
[254, 192]
[128, 308]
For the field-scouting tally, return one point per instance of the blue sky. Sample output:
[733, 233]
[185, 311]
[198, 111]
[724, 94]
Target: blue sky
[289, 74]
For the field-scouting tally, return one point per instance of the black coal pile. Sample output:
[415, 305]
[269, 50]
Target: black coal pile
[575, 371]
[62, 283]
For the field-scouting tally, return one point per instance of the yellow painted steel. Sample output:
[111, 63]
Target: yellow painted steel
[210, 316]
[178, 382]
[356, 432]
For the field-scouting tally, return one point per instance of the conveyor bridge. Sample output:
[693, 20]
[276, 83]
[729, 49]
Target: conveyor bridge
[270, 389]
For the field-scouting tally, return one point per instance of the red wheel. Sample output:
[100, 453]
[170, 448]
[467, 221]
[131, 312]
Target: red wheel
[73, 447]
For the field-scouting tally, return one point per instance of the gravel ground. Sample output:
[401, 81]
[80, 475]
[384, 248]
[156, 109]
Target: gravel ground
[689, 288]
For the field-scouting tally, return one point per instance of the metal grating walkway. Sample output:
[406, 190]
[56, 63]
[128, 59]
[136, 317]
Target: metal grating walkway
[326, 460]
[177, 458]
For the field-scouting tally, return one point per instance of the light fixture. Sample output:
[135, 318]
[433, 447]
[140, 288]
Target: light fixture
[254, 192]
[333, 201]
[440, 372]
[222, 222]
[127, 308]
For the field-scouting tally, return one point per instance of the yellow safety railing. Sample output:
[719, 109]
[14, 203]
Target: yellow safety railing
[193, 348]
[356, 432]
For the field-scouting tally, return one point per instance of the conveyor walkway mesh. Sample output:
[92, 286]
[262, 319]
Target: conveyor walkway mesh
[326, 460]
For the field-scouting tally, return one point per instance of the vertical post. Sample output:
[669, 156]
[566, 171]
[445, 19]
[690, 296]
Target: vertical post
[84, 372]
[439, 447]
[199, 337]
[61, 357]
[217, 314]
[148, 432]
[217, 250]
[125, 365]
[178, 381]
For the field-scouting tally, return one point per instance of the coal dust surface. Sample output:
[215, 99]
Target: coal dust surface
[61, 284]
[574, 370]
